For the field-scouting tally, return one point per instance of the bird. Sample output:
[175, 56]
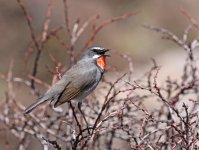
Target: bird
[77, 82]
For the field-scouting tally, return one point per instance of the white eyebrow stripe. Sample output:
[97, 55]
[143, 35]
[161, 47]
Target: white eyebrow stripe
[98, 48]
[96, 56]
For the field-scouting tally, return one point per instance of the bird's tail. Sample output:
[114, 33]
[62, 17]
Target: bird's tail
[35, 104]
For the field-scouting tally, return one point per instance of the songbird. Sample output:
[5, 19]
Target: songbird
[78, 82]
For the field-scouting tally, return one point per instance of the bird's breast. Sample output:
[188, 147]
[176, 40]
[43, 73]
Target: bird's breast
[101, 62]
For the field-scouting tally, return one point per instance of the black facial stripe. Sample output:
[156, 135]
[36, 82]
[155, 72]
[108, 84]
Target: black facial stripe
[99, 51]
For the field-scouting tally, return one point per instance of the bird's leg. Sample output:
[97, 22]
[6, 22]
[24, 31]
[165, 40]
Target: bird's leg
[73, 109]
[79, 107]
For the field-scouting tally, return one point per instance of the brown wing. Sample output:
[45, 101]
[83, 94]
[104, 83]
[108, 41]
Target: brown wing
[68, 94]
[76, 86]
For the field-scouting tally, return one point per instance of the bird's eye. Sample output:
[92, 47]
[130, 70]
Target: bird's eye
[96, 50]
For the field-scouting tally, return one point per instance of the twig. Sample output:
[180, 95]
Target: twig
[53, 143]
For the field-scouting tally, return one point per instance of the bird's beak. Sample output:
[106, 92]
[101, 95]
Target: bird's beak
[106, 50]
[106, 55]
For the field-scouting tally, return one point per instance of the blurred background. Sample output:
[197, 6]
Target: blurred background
[126, 36]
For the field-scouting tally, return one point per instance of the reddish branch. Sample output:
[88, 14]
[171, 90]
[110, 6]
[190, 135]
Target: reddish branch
[29, 21]
[104, 23]
[65, 3]
[38, 45]
[188, 15]
[47, 21]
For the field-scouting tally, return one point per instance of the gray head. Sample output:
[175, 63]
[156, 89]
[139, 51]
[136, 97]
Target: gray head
[95, 52]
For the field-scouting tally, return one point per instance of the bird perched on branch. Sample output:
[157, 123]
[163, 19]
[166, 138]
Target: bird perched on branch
[78, 82]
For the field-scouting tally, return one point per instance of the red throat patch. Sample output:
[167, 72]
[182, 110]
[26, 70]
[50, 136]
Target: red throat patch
[101, 62]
